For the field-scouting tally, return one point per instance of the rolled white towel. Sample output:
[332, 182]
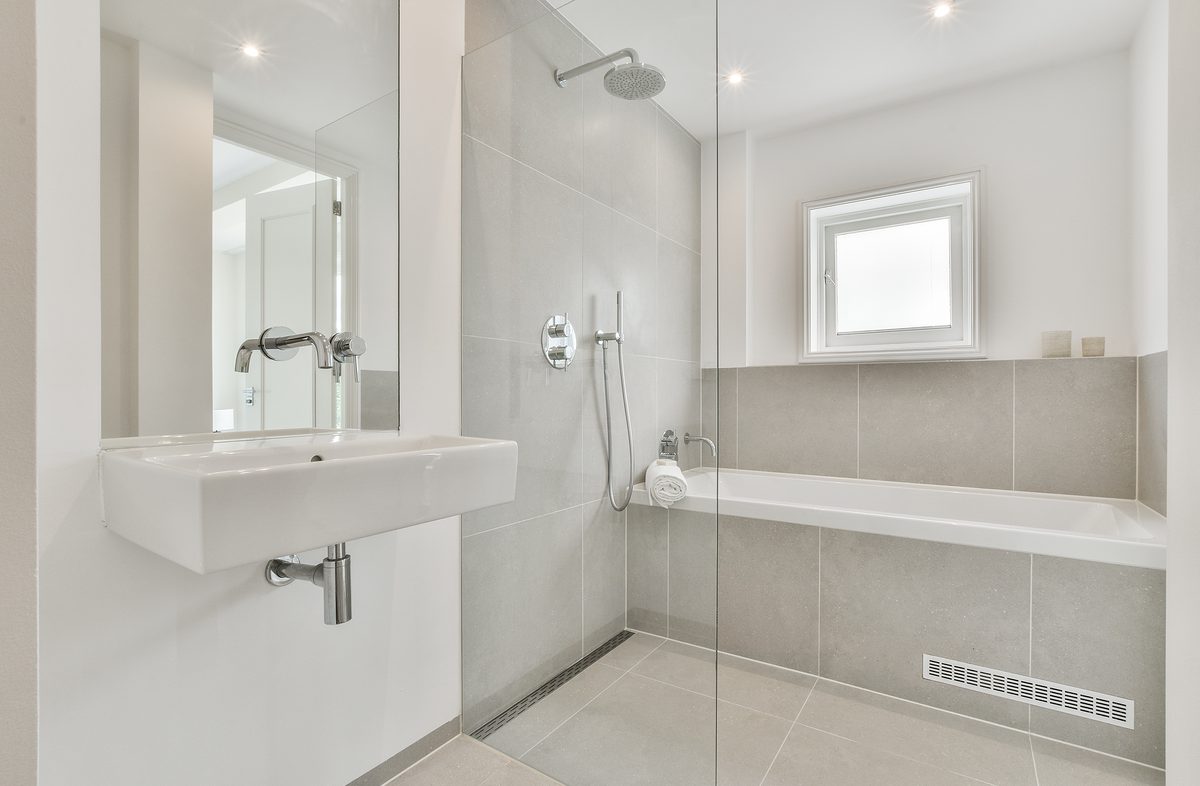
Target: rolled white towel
[665, 482]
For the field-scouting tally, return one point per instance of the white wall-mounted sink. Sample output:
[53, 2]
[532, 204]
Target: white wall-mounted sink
[219, 503]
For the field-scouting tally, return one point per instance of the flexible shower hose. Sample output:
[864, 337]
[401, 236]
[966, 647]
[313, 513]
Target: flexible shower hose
[612, 497]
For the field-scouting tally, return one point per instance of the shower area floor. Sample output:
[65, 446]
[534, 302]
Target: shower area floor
[644, 714]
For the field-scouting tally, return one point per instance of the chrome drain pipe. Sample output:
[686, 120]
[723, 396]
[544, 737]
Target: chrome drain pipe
[332, 575]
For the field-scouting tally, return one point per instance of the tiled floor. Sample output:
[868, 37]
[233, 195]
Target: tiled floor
[644, 714]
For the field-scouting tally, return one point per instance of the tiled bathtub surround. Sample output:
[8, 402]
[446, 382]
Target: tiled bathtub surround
[1091, 426]
[568, 196]
[863, 609]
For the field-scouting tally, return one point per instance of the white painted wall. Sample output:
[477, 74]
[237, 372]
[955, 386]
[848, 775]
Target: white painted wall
[174, 243]
[1148, 157]
[18, 529]
[1183, 390]
[150, 674]
[1055, 148]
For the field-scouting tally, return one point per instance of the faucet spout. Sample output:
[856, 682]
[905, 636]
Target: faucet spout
[242, 364]
[319, 342]
[280, 343]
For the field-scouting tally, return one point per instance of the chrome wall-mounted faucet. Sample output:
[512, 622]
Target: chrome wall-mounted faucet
[280, 343]
[689, 439]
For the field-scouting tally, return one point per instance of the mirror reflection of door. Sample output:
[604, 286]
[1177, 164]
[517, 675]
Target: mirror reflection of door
[276, 262]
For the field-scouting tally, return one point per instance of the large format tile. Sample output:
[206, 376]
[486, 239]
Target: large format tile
[508, 389]
[634, 155]
[692, 577]
[529, 728]
[641, 376]
[679, 408]
[800, 419]
[678, 184]
[814, 758]
[521, 610]
[646, 529]
[518, 774]
[885, 602]
[951, 742]
[1152, 431]
[1065, 765]
[632, 651]
[1103, 628]
[768, 604]
[379, 403]
[948, 423]
[682, 665]
[719, 416]
[522, 255]
[460, 762]
[512, 103]
[678, 292]
[488, 20]
[619, 254]
[746, 744]
[637, 732]
[1076, 426]
[603, 573]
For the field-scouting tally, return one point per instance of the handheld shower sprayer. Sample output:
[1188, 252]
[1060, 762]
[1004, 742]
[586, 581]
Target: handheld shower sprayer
[603, 338]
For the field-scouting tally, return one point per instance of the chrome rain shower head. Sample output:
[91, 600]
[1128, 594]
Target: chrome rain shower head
[632, 81]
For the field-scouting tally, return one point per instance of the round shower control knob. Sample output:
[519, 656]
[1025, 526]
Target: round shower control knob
[349, 345]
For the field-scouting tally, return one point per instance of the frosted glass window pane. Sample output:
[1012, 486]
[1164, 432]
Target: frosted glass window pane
[894, 277]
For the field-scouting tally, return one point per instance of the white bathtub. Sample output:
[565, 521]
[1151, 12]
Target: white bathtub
[1117, 531]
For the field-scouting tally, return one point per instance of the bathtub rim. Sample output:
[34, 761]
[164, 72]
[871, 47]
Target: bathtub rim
[1138, 553]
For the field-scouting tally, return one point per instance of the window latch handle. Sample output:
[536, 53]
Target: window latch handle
[829, 279]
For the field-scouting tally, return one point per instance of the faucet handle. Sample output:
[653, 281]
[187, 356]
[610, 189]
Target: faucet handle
[346, 349]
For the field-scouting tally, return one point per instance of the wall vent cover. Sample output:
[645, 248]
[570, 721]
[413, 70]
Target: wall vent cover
[1039, 693]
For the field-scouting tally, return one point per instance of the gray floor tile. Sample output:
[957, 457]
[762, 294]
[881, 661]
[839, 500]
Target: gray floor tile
[637, 732]
[631, 651]
[814, 758]
[527, 729]
[746, 744]
[757, 686]
[950, 742]
[460, 762]
[517, 774]
[1064, 765]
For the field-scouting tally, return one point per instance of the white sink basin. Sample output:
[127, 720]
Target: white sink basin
[220, 503]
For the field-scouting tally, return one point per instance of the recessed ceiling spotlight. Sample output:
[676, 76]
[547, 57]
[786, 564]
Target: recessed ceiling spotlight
[734, 77]
[250, 50]
[943, 9]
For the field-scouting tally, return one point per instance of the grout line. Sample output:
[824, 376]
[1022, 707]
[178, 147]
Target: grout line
[1033, 757]
[1013, 484]
[858, 422]
[787, 736]
[1137, 428]
[591, 198]
[1098, 753]
[589, 702]
[668, 606]
[532, 518]
[820, 548]
[1029, 707]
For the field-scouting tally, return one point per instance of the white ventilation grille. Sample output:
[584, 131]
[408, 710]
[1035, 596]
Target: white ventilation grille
[1039, 693]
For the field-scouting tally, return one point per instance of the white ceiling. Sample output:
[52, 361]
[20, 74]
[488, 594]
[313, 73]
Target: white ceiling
[807, 61]
[321, 59]
[233, 162]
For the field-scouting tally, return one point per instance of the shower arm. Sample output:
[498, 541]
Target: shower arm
[562, 77]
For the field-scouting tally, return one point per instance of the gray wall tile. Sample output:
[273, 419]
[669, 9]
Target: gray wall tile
[512, 103]
[1152, 431]
[510, 392]
[678, 184]
[641, 375]
[522, 255]
[887, 601]
[1102, 627]
[946, 423]
[678, 302]
[1076, 424]
[488, 20]
[797, 419]
[692, 577]
[379, 402]
[603, 573]
[769, 591]
[633, 175]
[619, 254]
[647, 568]
[521, 610]
[719, 417]
[679, 407]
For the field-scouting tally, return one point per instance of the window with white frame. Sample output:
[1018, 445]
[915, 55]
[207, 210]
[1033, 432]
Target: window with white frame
[893, 274]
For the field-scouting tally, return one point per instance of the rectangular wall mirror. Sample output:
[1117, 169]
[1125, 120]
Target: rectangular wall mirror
[249, 189]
